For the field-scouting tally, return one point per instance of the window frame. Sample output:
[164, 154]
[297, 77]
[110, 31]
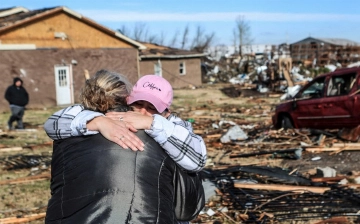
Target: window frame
[182, 68]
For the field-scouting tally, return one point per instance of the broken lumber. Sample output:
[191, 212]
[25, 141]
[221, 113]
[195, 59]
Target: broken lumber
[26, 130]
[25, 219]
[288, 78]
[39, 177]
[327, 179]
[213, 136]
[331, 149]
[236, 155]
[348, 145]
[11, 149]
[279, 187]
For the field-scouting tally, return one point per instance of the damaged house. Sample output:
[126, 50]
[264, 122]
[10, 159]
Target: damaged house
[54, 49]
[323, 51]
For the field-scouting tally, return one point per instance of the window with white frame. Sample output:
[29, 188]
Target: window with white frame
[182, 68]
[157, 68]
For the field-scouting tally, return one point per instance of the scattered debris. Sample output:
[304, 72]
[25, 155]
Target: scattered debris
[25, 161]
[271, 202]
[250, 188]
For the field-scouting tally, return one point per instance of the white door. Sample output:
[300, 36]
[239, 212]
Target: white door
[158, 68]
[63, 83]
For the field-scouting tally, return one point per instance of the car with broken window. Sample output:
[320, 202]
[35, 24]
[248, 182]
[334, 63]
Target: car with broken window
[329, 101]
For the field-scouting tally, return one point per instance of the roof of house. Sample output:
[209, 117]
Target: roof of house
[11, 11]
[15, 20]
[339, 41]
[334, 41]
[159, 51]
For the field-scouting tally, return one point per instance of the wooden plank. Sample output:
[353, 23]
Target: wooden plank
[320, 149]
[288, 78]
[43, 176]
[213, 136]
[278, 187]
[326, 179]
[25, 219]
[348, 145]
[332, 149]
[12, 149]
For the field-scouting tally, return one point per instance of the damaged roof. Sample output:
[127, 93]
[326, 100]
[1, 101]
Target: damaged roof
[159, 51]
[339, 41]
[333, 41]
[14, 20]
[11, 11]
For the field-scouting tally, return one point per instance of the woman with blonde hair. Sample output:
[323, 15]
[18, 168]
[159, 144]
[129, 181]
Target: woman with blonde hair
[106, 91]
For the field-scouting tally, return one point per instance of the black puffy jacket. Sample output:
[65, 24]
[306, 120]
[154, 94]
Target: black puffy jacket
[96, 181]
[17, 95]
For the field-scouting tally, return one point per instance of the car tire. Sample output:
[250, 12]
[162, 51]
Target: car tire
[286, 123]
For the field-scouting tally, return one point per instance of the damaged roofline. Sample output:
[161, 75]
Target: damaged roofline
[72, 12]
[13, 11]
[140, 46]
[173, 56]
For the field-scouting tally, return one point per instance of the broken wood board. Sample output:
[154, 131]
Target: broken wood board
[24, 219]
[279, 187]
[26, 130]
[12, 149]
[332, 149]
[44, 176]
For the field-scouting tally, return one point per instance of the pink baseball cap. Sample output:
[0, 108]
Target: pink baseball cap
[153, 89]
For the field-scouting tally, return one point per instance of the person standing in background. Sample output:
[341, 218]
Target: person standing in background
[18, 98]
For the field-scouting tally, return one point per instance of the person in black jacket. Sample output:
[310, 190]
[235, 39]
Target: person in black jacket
[94, 180]
[18, 98]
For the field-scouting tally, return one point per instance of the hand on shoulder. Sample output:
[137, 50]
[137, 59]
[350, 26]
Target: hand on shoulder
[117, 131]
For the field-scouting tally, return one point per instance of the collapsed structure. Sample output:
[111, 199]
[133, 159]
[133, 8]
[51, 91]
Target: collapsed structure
[276, 67]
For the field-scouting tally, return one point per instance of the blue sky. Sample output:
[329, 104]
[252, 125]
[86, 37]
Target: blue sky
[271, 21]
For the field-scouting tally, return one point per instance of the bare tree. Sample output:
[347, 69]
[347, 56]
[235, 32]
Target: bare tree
[185, 37]
[198, 37]
[243, 31]
[205, 43]
[201, 40]
[173, 41]
[152, 39]
[161, 39]
[140, 32]
[235, 36]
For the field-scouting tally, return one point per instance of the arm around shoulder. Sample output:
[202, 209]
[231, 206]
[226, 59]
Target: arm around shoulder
[187, 149]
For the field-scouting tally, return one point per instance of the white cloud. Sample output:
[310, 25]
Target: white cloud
[115, 16]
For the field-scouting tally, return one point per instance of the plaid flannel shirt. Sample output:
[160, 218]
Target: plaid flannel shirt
[173, 134]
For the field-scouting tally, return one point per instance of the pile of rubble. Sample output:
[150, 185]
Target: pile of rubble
[256, 174]
[263, 72]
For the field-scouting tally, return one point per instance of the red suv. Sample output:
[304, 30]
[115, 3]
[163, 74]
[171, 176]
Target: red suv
[329, 101]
